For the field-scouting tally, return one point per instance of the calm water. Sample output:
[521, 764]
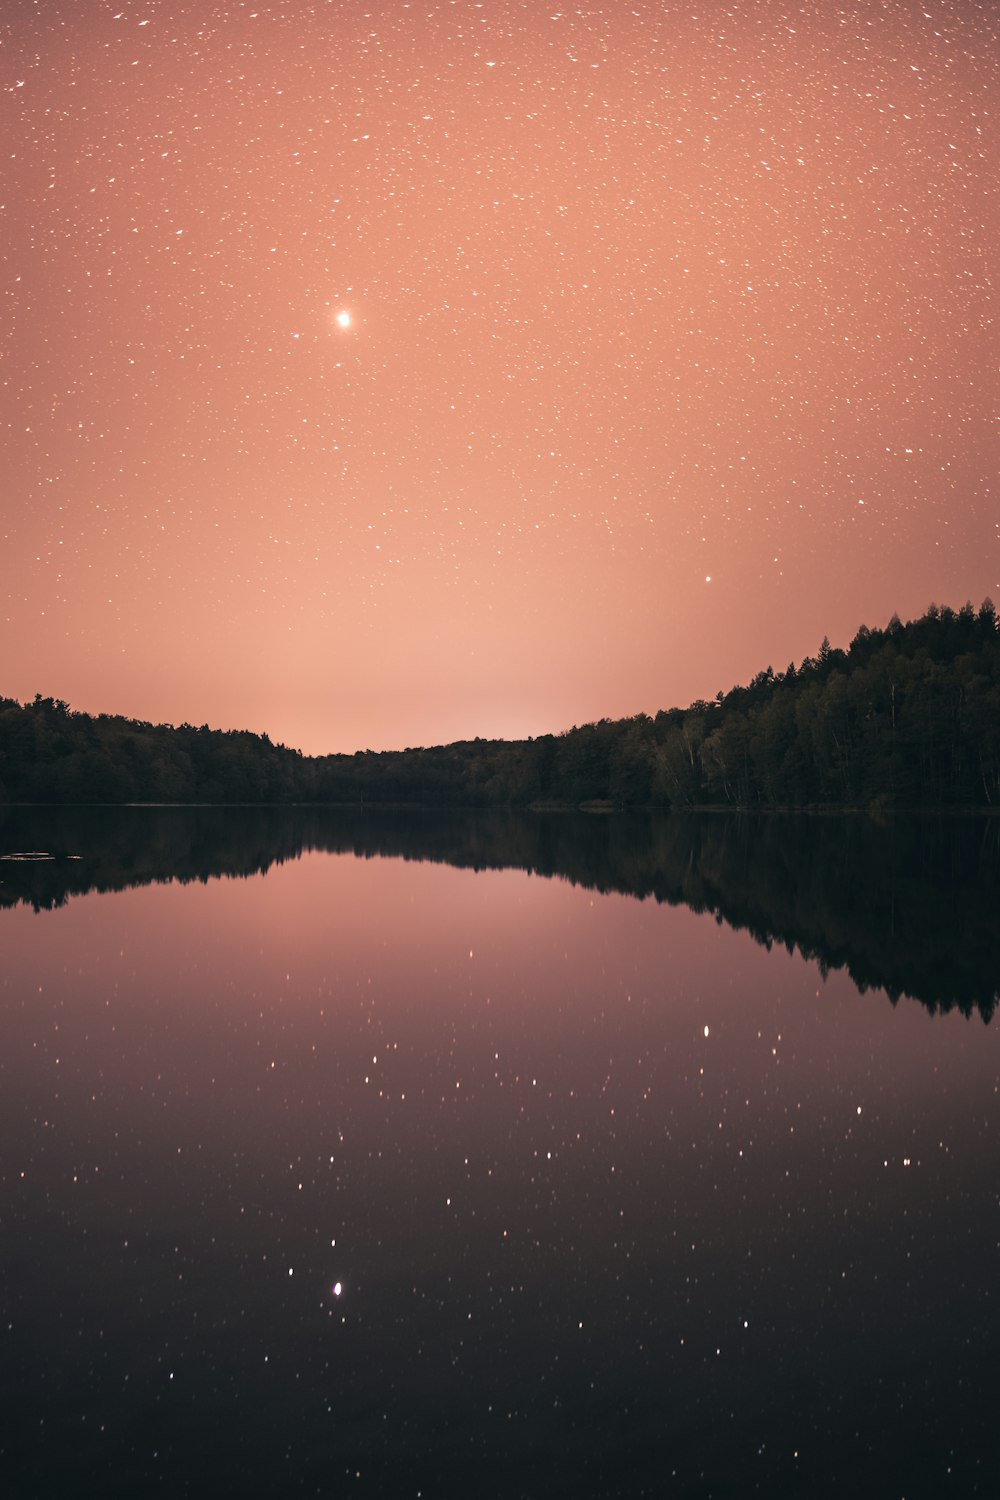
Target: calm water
[396, 1167]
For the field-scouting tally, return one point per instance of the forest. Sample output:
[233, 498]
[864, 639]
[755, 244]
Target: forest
[906, 716]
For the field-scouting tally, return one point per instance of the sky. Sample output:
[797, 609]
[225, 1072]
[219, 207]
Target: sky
[377, 375]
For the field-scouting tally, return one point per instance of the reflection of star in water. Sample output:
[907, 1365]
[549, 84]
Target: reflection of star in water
[343, 320]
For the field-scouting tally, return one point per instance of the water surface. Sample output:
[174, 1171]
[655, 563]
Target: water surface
[362, 1154]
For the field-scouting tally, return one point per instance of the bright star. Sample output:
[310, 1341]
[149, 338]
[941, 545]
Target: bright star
[343, 320]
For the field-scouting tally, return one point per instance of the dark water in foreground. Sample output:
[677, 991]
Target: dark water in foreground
[394, 1169]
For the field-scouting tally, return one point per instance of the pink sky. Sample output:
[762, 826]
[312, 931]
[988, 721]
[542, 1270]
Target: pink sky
[669, 350]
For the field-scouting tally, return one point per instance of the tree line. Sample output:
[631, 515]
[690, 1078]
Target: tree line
[906, 716]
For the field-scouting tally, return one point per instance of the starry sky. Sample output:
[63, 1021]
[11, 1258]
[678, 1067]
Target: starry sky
[385, 374]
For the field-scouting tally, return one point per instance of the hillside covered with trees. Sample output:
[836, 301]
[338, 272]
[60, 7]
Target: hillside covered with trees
[908, 716]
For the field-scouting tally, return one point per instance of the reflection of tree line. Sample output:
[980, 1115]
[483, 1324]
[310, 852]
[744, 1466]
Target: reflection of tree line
[907, 716]
[908, 906]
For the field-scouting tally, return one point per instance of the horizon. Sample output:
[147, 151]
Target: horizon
[433, 744]
[394, 379]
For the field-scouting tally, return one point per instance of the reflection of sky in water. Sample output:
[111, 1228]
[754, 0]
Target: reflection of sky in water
[482, 1184]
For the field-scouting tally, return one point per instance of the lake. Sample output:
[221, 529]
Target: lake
[356, 1152]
